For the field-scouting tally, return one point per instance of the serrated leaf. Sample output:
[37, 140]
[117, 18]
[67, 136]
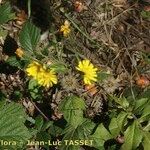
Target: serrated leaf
[13, 61]
[55, 130]
[45, 137]
[29, 37]
[133, 137]
[12, 126]
[80, 132]
[72, 102]
[100, 136]
[5, 13]
[146, 142]
[2, 103]
[72, 108]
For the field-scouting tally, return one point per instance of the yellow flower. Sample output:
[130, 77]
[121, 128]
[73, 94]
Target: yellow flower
[90, 74]
[47, 78]
[44, 76]
[19, 52]
[33, 69]
[65, 28]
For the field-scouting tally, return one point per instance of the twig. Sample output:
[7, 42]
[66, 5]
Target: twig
[40, 111]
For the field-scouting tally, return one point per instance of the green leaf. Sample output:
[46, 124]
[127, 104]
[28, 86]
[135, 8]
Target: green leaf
[12, 126]
[58, 67]
[39, 122]
[145, 14]
[145, 94]
[2, 103]
[133, 137]
[29, 37]
[122, 101]
[145, 114]
[5, 13]
[117, 124]
[147, 127]
[13, 61]
[43, 137]
[72, 108]
[33, 88]
[113, 127]
[81, 132]
[140, 104]
[3, 33]
[121, 120]
[47, 125]
[31, 120]
[146, 142]
[100, 136]
[102, 133]
[102, 76]
[55, 130]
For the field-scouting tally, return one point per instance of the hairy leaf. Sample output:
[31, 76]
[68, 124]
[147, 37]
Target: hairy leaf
[29, 37]
[13, 61]
[80, 132]
[72, 108]
[5, 13]
[12, 126]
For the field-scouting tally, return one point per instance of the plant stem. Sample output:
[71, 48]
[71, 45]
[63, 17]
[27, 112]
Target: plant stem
[39, 111]
[29, 8]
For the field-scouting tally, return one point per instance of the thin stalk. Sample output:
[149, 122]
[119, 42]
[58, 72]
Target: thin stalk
[39, 111]
[29, 8]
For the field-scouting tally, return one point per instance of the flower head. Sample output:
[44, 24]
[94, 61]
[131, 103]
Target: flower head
[19, 52]
[33, 69]
[90, 74]
[65, 28]
[45, 77]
